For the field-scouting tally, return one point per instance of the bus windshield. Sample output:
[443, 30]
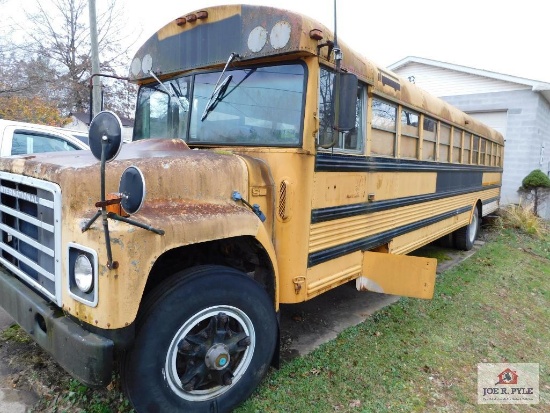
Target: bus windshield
[257, 106]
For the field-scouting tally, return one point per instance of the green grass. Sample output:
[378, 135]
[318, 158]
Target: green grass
[433, 251]
[16, 334]
[422, 356]
[413, 356]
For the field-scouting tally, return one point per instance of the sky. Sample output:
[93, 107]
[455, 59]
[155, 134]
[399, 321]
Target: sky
[508, 37]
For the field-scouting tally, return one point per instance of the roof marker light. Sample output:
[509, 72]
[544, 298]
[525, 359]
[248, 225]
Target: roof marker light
[203, 14]
[316, 34]
[180, 21]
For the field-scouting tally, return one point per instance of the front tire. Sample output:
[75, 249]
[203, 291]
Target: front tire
[205, 339]
[465, 237]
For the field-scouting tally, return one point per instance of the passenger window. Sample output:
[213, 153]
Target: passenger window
[26, 143]
[384, 116]
[482, 152]
[475, 150]
[430, 134]
[457, 144]
[467, 148]
[409, 134]
[444, 142]
[347, 141]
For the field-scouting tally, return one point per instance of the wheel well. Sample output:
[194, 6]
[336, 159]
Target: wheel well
[241, 253]
[479, 207]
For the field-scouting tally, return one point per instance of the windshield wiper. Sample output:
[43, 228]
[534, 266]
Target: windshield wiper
[170, 93]
[219, 89]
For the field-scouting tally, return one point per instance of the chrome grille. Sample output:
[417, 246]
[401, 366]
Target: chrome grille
[30, 242]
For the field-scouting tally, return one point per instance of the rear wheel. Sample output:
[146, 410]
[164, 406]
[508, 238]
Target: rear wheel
[465, 237]
[205, 340]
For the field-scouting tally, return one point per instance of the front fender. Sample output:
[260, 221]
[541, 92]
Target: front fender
[136, 250]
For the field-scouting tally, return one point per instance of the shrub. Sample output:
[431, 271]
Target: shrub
[536, 185]
[522, 218]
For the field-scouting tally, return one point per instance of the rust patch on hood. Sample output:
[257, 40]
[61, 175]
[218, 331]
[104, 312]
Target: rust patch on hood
[172, 173]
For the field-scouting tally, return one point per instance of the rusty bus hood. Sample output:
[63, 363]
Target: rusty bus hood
[173, 173]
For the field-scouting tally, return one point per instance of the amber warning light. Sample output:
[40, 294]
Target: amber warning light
[200, 15]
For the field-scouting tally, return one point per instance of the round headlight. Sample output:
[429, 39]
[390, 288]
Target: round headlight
[83, 273]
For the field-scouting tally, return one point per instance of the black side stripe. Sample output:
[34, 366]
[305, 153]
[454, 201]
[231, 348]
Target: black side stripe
[367, 243]
[327, 162]
[488, 201]
[346, 211]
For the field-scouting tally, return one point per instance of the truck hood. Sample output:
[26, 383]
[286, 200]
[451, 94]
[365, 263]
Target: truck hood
[171, 170]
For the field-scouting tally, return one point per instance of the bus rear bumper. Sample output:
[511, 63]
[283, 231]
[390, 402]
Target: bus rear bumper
[86, 356]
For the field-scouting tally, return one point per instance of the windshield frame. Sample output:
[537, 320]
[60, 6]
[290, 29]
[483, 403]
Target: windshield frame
[186, 133]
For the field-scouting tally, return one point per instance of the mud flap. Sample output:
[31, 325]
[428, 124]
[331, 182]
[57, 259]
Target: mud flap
[403, 275]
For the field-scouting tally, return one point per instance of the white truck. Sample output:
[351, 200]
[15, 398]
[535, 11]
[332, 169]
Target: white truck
[21, 138]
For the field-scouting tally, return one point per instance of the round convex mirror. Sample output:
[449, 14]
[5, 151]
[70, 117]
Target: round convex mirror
[105, 126]
[132, 189]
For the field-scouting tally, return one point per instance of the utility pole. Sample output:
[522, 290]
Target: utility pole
[96, 84]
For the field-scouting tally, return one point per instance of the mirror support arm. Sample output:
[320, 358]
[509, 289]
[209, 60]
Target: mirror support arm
[338, 59]
[103, 211]
[110, 263]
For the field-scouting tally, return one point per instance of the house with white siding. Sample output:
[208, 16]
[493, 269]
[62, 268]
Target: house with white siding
[519, 108]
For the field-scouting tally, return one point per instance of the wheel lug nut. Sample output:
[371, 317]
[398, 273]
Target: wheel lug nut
[245, 342]
[227, 379]
[185, 346]
[190, 385]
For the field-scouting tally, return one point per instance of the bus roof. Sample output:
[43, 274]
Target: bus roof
[205, 38]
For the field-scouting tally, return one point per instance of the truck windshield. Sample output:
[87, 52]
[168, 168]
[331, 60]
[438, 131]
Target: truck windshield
[259, 106]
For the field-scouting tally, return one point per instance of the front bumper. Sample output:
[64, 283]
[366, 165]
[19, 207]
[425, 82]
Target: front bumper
[86, 356]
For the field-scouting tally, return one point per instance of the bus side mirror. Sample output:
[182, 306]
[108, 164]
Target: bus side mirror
[347, 96]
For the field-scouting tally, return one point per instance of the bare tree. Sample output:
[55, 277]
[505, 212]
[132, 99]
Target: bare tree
[56, 49]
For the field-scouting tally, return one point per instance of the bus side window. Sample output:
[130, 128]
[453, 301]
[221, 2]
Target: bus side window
[409, 134]
[467, 148]
[384, 125]
[430, 134]
[444, 142]
[348, 141]
[457, 144]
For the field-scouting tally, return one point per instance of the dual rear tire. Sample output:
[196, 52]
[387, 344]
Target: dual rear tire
[465, 237]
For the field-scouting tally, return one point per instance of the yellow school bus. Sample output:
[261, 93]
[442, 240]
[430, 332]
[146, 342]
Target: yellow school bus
[269, 164]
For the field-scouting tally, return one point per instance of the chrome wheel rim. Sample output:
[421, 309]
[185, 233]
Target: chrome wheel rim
[210, 353]
[472, 230]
